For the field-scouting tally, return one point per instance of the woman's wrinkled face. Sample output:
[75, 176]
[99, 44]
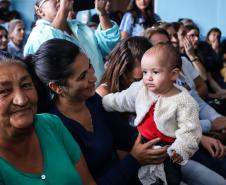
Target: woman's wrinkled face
[18, 98]
[48, 9]
[3, 40]
[81, 84]
[142, 4]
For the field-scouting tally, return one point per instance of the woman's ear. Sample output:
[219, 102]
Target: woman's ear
[39, 12]
[175, 73]
[55, 88]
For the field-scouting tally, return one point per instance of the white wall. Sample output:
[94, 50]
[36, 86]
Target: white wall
[26, 9]
[206, 13]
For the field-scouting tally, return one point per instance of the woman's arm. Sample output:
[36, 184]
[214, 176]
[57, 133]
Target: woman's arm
[189, 49]
[219, 92]
[60, 21]
[124, 34]
[82, 169]
[100, 6]
[201, 87]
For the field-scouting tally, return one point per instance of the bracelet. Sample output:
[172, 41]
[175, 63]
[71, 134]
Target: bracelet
[194, 59]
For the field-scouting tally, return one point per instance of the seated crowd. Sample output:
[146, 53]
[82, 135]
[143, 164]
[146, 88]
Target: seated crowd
[129, 102]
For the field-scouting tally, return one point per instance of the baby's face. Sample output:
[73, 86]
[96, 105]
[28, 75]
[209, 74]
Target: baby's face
[157, 74]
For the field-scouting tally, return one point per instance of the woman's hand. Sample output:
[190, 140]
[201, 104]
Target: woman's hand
[66, 5]
[145, 154]
[101, 6]
[219, 124]
[189, 49]
[214, 147]
[220, 94]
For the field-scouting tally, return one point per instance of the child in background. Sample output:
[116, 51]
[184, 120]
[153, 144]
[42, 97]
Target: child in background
[164, 110]
[138, 17]
[16, 35]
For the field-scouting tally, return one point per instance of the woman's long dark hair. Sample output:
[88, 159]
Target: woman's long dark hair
[149, 18]
[124, 57]
[51, 62]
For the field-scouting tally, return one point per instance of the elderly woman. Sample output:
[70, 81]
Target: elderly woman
[34, 149]
[52, 23]
[70, 76]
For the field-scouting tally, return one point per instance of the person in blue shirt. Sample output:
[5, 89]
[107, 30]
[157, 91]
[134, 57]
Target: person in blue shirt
[139, 16]
[52, 23]
[70, 76]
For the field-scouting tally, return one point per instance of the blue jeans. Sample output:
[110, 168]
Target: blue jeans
[219, 166]
[195, 173]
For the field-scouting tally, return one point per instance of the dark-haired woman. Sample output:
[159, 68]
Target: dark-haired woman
[123, 65]
[138, 17]
[70, 76]
[214, 39]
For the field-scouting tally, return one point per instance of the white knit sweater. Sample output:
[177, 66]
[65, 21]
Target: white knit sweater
[176, 116]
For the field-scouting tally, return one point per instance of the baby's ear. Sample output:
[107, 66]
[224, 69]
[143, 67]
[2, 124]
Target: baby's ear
[175, 73]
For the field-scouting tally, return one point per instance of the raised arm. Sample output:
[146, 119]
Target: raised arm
[60, 21]
[101, 6]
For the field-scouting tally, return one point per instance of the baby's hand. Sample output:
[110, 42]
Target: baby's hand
[176, 157]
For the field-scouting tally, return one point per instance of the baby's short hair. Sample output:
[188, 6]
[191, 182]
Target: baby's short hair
[166, 52]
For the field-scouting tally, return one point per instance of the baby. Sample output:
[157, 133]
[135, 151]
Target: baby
[163, 110]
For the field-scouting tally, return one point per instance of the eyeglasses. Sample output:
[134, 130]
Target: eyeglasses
[41, 3]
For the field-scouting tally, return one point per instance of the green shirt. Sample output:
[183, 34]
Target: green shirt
[60, 154]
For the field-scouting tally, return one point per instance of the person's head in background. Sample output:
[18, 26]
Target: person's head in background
[123, 63]
[161, 66]
[186, 21]
[68, 74]
[156, 35]
[5, 4]
[16, 32]
[17, 93]
[191, 32]
[3, 38]
[213, 36]
[172, 31]
[142, 8]
[47, 9]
